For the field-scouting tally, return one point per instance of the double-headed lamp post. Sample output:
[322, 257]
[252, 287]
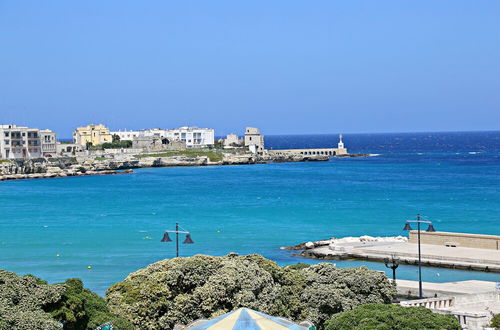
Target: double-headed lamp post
[393, 264]
[429, 229]
[166, 238]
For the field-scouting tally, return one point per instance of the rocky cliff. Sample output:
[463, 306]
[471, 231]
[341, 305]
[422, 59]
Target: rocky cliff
[78, 166]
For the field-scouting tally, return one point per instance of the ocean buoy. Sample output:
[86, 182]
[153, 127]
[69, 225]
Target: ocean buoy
[88, 267]
[58, 255]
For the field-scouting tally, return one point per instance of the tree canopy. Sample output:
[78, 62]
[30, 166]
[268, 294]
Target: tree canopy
[391, 317]
[182, 290]
[27, 302]
[23, 301]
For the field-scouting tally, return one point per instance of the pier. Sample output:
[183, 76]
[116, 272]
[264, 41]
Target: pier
[435, 255]
[330, 152]
[309, 152]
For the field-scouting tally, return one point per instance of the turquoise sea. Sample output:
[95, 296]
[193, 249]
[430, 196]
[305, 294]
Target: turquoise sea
[114, 223]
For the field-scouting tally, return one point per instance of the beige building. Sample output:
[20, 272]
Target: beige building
[49, 143]
[254, 140]
[232, 140]
[157, 143]
[68, 148]
[93, 134]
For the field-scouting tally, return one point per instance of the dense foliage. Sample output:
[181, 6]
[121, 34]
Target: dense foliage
[80, 308]
[27, 302]
[181, 290]
[114, 145]
[495, 321]
[23, 301]
[391, 317]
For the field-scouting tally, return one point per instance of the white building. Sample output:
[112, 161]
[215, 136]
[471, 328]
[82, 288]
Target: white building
[24, 142]
[194, 137]
[126, 135]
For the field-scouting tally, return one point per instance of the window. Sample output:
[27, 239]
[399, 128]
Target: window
[6, 134]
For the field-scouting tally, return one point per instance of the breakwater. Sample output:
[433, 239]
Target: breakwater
[379, 249]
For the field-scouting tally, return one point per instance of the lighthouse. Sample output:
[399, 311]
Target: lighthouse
[341, 144]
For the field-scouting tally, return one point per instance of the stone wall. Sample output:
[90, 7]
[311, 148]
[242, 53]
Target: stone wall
[491, 242]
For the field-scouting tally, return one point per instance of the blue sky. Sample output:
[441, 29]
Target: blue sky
[285, 66]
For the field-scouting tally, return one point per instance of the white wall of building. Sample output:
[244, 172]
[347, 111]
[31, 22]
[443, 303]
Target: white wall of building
[23, 142]
[194, 137]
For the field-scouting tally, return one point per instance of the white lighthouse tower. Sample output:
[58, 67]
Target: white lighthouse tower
[341, 150]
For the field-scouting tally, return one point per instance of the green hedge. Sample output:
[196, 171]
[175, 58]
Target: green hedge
[391, 317]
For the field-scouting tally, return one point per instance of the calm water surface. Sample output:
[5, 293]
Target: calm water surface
[114, 223]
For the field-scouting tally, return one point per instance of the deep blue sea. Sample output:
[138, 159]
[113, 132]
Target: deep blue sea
[114, 223]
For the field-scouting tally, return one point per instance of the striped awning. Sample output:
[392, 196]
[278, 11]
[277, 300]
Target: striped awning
[245, 318]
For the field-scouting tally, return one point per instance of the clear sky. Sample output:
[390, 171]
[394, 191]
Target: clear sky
[287, 66]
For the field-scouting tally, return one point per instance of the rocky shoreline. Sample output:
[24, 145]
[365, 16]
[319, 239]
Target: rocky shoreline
[341, 244]
[39, 168]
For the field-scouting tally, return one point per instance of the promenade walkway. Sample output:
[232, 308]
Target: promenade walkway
[432, 255]
[431, 289]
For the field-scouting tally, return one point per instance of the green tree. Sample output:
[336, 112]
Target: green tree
[182, 290]
[495, 321]
[26, 303]
[391, 317]
[23, 300]
[80, 309]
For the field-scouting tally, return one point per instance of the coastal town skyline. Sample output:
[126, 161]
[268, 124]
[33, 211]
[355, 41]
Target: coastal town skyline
[67, 134]
[306, 165]
[285, 67]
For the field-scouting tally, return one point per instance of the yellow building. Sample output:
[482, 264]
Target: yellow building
[95, 134]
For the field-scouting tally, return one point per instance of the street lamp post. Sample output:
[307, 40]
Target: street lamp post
[166, 238]
[429, 229]
[392, 263]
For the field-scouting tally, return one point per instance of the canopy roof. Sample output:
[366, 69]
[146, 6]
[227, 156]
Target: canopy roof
[245, 318]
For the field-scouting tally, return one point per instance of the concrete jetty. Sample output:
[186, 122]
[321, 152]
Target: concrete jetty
[378, 249]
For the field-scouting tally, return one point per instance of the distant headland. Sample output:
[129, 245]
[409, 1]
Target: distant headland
[28, 153]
